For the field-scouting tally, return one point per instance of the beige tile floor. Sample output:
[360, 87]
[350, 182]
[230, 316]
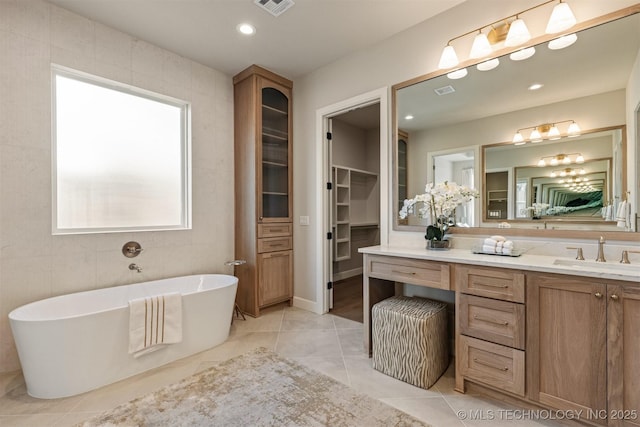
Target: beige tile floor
[329, 344]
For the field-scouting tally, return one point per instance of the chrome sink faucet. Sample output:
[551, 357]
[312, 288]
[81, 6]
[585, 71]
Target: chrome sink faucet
[600, 257]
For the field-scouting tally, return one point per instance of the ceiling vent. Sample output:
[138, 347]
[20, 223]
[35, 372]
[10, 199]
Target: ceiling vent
[445, 90]
[274, 7]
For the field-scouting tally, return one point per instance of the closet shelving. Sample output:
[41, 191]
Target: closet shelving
[356, 205]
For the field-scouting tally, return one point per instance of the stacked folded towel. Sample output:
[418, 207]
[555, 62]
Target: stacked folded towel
[497, 245]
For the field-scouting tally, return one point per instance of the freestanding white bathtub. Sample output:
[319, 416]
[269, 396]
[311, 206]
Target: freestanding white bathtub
[78, 342]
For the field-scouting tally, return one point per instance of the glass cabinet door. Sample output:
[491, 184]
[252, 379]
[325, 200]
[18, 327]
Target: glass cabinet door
[275, 154]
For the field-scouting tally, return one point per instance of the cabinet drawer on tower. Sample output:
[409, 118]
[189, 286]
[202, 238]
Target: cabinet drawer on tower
[495, 283]
[274, 230]
[501, 322]
[492, 364]
[416, 272]
[274, 244]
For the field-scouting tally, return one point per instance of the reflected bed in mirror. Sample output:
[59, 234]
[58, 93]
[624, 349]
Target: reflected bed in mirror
[585, 82]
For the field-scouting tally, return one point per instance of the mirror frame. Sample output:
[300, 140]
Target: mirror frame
[519, 232]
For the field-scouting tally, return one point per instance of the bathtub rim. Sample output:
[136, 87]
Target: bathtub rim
[12, 316]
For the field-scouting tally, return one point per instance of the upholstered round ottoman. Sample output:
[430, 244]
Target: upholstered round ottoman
[409, 339]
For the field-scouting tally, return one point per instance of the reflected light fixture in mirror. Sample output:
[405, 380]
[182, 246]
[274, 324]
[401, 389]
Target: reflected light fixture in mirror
[565, 159]
[513, 31]
[544, 131]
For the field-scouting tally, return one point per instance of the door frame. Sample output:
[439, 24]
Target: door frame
[323, 166]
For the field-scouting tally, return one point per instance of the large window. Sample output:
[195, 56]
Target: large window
[121, 157]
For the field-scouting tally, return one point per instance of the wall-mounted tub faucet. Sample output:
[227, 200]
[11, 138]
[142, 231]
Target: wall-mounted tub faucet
[135, 267]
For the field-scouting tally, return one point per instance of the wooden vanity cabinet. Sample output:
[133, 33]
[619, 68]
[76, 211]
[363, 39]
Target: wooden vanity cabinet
[263, 187]
[490, 327]
[582, 340]
[623, 354]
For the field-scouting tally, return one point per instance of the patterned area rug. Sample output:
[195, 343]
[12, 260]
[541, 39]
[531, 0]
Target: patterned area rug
[256, 389]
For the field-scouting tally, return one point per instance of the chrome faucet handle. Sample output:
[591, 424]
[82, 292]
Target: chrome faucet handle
[625, 256]
[579, 255]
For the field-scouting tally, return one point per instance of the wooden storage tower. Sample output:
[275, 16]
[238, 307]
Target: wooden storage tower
[263, 187]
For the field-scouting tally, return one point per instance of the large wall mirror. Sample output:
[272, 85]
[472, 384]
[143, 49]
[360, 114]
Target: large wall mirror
[568, 180]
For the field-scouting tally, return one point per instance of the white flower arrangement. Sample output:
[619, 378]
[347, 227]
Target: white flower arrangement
[537, 209]
[438, 202]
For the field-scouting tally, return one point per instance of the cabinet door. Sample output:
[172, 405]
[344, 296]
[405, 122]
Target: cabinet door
[275, 277]
[623, 313]
[274, 178]
[566, 343]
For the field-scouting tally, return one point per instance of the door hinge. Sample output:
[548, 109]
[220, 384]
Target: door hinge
[329, 186]
[329, 136]
[329, 235]
[329, 285]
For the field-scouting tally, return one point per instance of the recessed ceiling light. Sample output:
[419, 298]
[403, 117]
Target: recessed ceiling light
[246, 29]
[408, 117]
[535, 86]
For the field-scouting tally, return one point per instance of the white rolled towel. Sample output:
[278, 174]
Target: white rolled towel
[507, 244]
[489, 249]
[490, 241]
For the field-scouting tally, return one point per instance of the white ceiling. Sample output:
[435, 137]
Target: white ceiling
[309, 35]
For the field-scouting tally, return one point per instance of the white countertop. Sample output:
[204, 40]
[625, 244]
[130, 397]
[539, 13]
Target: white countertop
[546, 264]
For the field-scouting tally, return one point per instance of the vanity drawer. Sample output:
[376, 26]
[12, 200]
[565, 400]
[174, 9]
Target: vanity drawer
[490, 282]
[275, 230]
[492, 364]
[500, 322]
[275, 244]
[416, 272]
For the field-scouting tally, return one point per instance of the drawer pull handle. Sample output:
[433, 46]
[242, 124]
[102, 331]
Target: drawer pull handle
[276, 244]
[614, 297]
[494, 286]
[598, 295]
[480, 362]
[413, 273]
[485, 319]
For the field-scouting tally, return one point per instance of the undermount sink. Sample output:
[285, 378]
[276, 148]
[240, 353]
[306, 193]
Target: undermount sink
[612, 266]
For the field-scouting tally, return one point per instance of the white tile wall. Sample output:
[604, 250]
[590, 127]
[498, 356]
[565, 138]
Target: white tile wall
[33, 263]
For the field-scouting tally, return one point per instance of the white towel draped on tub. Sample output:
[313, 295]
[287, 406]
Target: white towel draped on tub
[153, 321]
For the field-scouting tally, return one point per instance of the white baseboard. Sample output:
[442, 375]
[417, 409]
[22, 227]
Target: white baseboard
[346, 274]
[308, 305]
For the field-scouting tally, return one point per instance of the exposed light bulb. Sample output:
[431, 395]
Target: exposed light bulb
[449, 59]
[542, 163]
[566, 160]
[554, 161]
[561, 19]
[579, 159]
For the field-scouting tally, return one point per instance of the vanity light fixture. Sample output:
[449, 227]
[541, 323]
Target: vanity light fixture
[567, 172]
[488, 65]
[544, 131]
[523, 54]
[511, 30]
[565, 159]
